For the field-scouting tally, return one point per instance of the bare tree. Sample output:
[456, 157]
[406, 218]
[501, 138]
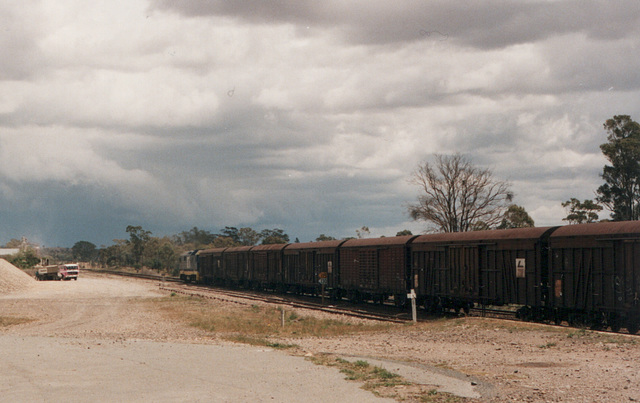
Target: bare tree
[456, 196]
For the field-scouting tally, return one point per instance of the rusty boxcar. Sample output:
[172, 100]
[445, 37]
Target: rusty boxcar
[458, 270]
[375, 269]
[235, 266]
[210, 266]
[307, 265]
[595, 274]
[265, 267]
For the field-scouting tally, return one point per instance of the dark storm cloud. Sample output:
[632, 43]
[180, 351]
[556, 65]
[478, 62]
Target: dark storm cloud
[61, 212]
[485, 25]
[333, 203]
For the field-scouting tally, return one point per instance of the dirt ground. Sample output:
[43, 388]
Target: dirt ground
[506, 361]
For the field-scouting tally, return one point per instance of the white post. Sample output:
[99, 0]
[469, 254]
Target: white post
[412, 297]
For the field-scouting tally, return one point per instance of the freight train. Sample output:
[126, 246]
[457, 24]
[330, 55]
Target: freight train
[586, 274]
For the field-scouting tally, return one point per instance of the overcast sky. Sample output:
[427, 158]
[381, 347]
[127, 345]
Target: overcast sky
[308, 116]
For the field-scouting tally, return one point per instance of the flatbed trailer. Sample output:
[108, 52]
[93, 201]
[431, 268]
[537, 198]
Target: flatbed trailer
[47, 273]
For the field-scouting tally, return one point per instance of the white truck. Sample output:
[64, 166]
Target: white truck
[58, 272]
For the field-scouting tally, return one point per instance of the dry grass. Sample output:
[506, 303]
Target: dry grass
[6, 321]
[247, 323]
[383, 383]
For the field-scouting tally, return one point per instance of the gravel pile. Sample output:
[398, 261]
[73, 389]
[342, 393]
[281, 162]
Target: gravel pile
[13, 279]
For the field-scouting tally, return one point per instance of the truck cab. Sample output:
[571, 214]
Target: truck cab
[70, 271]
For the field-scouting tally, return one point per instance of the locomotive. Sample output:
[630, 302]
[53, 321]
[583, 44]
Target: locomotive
[188, 265]
[585, 274]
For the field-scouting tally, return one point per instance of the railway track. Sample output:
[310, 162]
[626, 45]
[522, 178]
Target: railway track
[251, 296]
[384, 313]
[154, 277]
[493, 313]
[510, 315]
[174, 284]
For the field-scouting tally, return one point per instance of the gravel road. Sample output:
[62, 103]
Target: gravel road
[90, 343]
[69, 370]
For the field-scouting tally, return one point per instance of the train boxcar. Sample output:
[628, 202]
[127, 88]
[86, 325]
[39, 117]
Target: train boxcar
[235, 266]
[306, 264]
[265, 267]
[210, 266]
[375, 269]
[458, 270]
[595, 274]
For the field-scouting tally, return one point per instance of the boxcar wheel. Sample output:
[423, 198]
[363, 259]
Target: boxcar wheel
[614, 322]
[467, 308]
[558, 318]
